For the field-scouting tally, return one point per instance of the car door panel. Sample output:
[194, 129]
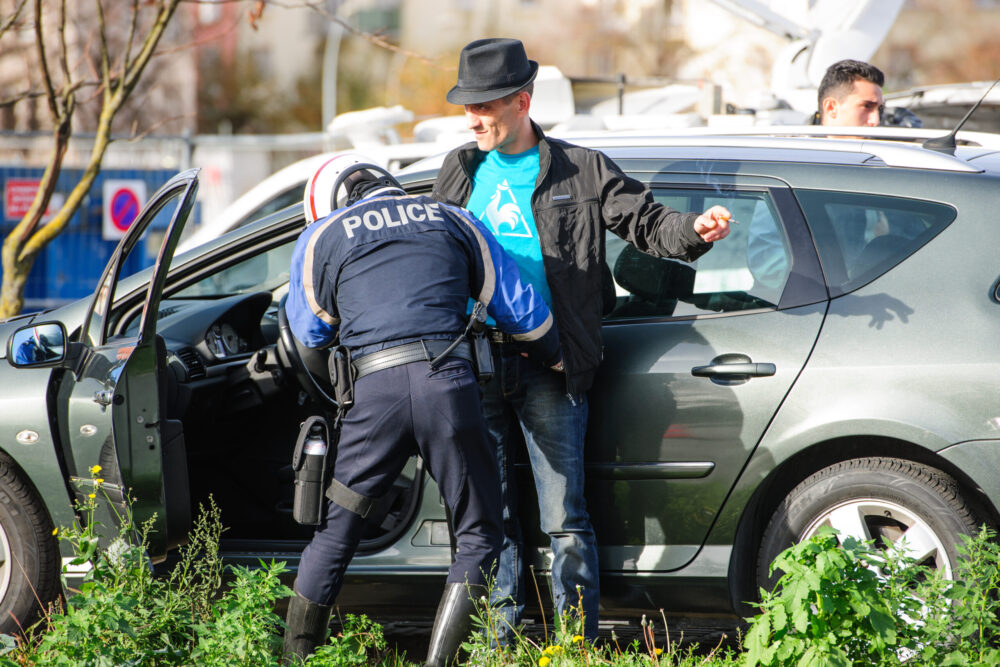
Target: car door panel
[647, 406]
[697, 359]
[112, 406]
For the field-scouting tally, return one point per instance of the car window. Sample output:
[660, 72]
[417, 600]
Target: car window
[861, 236]
[292, 195]
[261, 273]
[747, 270]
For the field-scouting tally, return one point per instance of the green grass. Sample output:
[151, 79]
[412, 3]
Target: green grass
[849, 604]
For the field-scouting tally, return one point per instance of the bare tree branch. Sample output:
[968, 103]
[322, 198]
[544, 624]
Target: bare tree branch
[130, 77]
[6, 25]
[319, 6]
[29, 237]
[375, 38]
[131, 35]
[50, 93]
[105, 61]
[27, 94]
[63, 51]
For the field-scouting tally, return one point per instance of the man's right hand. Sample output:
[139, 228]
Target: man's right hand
[713, 224]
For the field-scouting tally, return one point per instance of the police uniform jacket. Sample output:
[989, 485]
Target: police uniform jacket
[580, 193]
[395, 269]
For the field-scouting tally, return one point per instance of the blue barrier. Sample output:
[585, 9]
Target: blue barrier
[69, 267]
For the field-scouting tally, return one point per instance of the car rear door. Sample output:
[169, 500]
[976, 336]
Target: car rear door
[111, 406]
[697, 359]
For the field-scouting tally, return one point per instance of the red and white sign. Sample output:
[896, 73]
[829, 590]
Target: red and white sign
[17, 197]
[123, 199]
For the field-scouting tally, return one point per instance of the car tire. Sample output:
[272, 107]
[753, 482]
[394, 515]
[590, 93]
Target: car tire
[873, 498]
[29, 573]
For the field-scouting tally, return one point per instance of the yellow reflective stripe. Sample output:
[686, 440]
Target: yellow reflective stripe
[489, 273]
[537, 332]
[307, 273]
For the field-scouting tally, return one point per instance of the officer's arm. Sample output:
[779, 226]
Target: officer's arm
[515, 306]
[309, 315]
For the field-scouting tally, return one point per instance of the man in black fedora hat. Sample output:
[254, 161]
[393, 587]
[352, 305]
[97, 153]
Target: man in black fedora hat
[548, 203]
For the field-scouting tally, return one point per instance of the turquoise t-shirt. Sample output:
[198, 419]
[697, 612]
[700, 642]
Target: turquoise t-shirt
[501, 198]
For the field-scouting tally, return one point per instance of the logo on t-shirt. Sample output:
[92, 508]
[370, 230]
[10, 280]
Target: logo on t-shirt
[504, 214]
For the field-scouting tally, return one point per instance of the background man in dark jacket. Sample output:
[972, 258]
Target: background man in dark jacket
[391, 275]
[548, 203]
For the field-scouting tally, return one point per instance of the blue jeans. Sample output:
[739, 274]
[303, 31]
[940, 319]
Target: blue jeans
[526, 395]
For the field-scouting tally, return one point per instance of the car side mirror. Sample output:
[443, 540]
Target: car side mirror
[37, 345]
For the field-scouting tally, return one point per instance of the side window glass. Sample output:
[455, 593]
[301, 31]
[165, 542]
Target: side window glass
[282, 200]
[747, 270]
[859, 236]
[264, 272]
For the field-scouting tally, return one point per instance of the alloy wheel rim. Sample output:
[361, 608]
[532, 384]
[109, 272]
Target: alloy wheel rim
[5, 563]
[887, 524]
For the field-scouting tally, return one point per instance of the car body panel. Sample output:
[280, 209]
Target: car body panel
[682, 471]
[647, 367]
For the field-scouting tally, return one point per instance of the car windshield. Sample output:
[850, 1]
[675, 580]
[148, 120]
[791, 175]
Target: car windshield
[261, 273]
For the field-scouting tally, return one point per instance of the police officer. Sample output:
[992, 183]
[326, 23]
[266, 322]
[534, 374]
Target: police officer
[392, 275]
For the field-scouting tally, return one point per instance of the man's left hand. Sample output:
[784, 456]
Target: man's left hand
[713, 224]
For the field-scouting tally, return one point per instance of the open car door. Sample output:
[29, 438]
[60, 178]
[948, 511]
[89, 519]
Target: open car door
[113, 406]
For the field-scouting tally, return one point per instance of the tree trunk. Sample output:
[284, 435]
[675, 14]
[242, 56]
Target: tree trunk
[15, 277]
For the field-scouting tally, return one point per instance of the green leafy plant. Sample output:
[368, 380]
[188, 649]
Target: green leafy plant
[242, 628]
[124, 614]
[828, 608]
[961, 624]
[360, 642]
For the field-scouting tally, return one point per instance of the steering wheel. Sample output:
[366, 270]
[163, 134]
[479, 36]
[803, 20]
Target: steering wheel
[307, 364]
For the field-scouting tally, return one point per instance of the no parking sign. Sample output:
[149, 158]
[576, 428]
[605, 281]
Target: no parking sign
[123, 199]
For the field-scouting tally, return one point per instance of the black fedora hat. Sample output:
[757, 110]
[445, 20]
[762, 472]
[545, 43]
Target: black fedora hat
[489, 69]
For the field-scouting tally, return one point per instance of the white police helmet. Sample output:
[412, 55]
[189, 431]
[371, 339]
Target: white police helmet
[335, 184]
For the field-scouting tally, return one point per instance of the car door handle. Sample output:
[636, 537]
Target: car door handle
[733, 369]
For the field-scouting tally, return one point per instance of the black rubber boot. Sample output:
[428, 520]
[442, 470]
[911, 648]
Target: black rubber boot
[451, 625]
[307, 623]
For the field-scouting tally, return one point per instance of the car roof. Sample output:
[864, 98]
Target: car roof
[894, 147]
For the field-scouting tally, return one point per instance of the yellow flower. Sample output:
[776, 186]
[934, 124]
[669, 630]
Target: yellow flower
[543, 661]
[577, 639]
[91, 495]
[55, 531]
[657, 651]
[98, 481]
[552, 650]
[95, 469]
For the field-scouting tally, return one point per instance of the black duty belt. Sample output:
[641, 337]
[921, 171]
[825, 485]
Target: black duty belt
[404, 354]
[497, 336]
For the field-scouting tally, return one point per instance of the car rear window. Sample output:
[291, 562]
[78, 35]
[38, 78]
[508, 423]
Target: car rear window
[861, 236]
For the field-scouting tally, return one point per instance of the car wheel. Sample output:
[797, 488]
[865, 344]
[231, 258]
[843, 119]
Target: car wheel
[29, 570]
[880, 499]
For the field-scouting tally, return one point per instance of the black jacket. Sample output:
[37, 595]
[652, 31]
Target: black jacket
[579, 193]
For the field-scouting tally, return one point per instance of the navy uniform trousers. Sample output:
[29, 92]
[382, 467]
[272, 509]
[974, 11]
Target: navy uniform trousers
[397, 411]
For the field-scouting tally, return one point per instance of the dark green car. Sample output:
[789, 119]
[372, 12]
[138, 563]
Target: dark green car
[832, 362]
